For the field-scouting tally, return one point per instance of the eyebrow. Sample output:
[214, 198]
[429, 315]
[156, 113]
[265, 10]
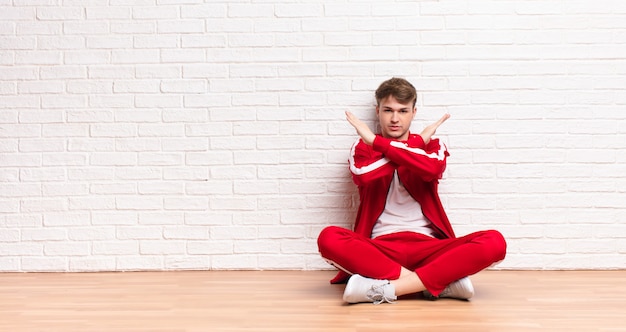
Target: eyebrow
[390, 108]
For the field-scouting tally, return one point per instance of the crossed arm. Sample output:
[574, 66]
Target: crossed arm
[368, 135]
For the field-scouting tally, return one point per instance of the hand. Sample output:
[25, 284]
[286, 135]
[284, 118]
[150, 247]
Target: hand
[367, 135]
[430, 130]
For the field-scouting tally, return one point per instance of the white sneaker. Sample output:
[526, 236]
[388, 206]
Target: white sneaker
[461, 289]
[361, 289]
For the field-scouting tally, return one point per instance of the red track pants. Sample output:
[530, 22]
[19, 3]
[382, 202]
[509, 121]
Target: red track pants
[437, 262]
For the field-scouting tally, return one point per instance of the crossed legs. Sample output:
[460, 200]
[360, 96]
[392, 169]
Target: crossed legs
[411, 262]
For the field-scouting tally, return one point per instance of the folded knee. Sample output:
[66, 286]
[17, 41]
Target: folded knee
[327, 239]
[497, 244]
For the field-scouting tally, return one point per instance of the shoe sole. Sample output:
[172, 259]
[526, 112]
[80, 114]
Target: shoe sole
[350, 288]
[465, 288]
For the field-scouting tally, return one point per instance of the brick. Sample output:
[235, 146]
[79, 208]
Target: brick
[251, 40]
[256, 157]
[144, 262]
[277, 203]
[64, 189]
[210, 188]
[137, 233]
[18, 13]
[146, 12]
[65, 219]
[285, 25]
[185, 262]
[157, 71]
[255, 218]
[343, 9]
[88, 264]
[38, 28]
[233, 232]
[259, 247]
[237, 204]
[9, 235]
[8, 88]
[281, 232]
[203, 11]
[42, 175]
[161, 247]
[47, 234]
[66, 249]
[203, 218]
[180, 26]
[19, 101]
[161, 159]
[137, 173]
[296, 217]
[230, 25]
[398, 10]
[186, 233]
[210, 247]
[255, 187]
[44, 264]
[158, 101]
[114, 218]
[202, 41]
[298, 10]
[91, 202]
[186, 204]
[113, 130]
[184, 86]
[38, 58]
[132, 27]
[22, 43]
[280, 262]
[113, 159]
[86, 28]
[114, 13]
[250, 10]
[159, 218]
[114, 248]
[182, 55]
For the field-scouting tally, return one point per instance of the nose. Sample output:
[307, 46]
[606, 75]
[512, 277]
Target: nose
[394, 117]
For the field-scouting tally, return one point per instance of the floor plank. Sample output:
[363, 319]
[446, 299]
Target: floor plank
[303, 301]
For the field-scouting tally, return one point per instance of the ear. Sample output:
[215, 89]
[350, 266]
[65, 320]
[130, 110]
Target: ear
[377, 110]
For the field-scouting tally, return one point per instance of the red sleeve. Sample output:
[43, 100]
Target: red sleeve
[366, 164]
[428, 161]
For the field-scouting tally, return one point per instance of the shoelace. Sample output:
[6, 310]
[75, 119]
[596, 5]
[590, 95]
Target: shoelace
[377, 294]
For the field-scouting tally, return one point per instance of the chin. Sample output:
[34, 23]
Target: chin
[395, 135]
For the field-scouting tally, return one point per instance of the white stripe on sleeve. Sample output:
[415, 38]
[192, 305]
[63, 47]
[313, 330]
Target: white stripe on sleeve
[439, 155]
[365, 169]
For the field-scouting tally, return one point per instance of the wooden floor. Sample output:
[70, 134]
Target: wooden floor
[303, 301]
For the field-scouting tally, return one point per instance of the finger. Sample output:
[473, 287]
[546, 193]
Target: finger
[349, 116]
[353, 119]
[443, 118]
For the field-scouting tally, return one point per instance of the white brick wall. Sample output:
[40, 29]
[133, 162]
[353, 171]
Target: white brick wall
[190, 134]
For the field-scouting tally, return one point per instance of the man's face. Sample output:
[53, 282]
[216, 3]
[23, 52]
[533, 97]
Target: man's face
[395, 118]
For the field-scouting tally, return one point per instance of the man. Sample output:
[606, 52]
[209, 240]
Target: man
[402, 241]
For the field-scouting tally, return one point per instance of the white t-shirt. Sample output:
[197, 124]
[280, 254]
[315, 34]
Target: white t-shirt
[402, 213]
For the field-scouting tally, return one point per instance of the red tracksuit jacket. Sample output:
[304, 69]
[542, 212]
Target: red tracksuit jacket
[419, 167]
